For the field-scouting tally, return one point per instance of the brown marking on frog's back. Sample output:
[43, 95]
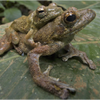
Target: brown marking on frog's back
[20, 24]
[50, 31]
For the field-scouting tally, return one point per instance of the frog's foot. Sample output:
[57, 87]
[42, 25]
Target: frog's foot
[4, 45]
[31, 43]
[74, 52]
[60, 89]
[18, 50]
[50, 84]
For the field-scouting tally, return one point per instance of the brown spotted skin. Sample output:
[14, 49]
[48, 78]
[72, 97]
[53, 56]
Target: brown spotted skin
[49, 39]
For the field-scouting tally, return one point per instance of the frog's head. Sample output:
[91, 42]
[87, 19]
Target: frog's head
[44, 14]
[74, 20]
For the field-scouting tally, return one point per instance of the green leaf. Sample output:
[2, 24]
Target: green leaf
[16, 81]
[12, 13]
[1, 6]
[1, 0]
[29, 4]
[78, 4]
[2, 14]
[12, 1]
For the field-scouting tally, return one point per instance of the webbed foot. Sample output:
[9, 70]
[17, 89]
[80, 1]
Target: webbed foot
[74, 52]
[60, 89]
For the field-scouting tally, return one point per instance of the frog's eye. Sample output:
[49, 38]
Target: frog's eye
[70, 17]
[41, 12]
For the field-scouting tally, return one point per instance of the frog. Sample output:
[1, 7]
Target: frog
[54, 36]
[29, 25]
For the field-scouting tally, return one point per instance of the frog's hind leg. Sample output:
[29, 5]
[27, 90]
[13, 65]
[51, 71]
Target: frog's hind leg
[4, 45]
[74, 52]
[52, 85]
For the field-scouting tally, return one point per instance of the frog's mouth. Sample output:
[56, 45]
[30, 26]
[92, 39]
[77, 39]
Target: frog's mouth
[86, 16]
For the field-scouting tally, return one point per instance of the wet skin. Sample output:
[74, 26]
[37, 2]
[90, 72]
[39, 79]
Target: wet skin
[51, 38]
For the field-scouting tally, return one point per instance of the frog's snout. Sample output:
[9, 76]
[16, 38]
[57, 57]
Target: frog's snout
[88, 14]
[92, 13]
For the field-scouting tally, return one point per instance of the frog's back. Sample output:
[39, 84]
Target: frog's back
[21, 24]
[49, 32]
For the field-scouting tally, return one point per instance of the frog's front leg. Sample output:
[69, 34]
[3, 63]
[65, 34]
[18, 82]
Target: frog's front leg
[56, 87]
[5, 45]
[29, 39]
[74, 52]
[12, 35]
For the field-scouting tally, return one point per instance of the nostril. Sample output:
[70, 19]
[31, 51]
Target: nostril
[91, 11]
